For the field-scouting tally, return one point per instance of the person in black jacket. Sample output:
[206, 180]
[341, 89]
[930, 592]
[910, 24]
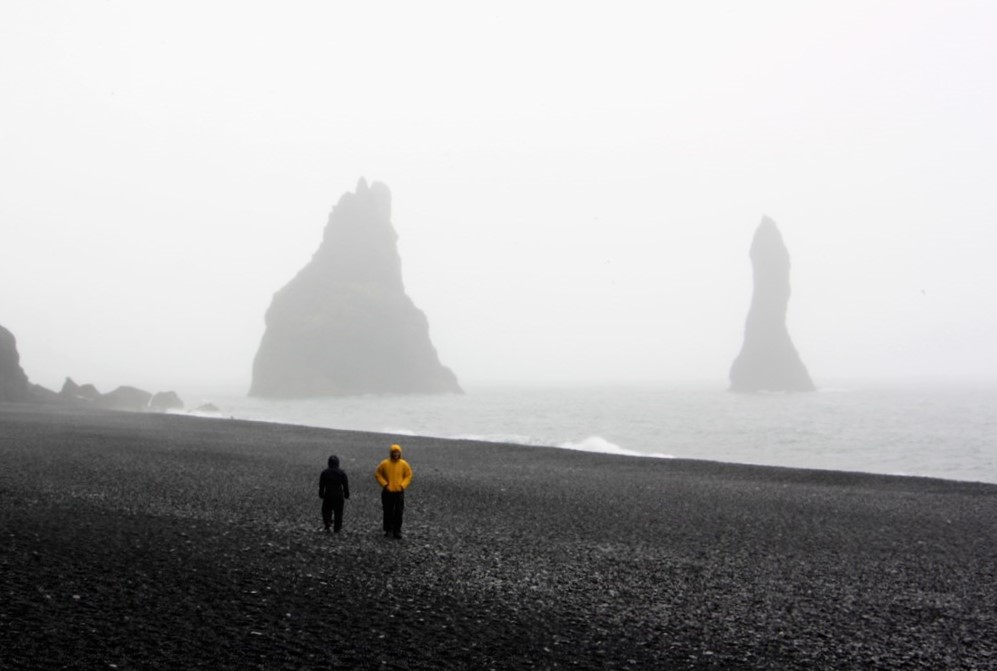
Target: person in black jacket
[333, 489]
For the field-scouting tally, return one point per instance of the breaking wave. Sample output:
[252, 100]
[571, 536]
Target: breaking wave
[601, 445]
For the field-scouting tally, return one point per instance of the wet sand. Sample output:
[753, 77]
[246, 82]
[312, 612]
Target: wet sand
[164, 542]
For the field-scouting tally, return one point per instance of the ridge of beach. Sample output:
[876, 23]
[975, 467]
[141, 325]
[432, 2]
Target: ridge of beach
[169, 541]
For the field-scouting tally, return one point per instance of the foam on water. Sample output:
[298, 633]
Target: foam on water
[508, 438]
[599, 444]
[398, 432]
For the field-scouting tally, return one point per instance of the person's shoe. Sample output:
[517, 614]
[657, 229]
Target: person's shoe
[327, 529]
[398, 534]
[387, 533]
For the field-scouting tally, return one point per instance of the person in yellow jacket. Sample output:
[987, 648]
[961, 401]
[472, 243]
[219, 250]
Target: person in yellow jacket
[394, 475]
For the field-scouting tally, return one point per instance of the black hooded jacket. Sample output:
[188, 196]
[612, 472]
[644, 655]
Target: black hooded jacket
[333, 483]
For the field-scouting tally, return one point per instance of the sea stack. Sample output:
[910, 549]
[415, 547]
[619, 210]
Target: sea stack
[344, 325]
[768, 361]
[13, 381]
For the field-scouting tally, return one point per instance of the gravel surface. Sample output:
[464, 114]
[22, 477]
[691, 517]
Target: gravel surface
[170, 542]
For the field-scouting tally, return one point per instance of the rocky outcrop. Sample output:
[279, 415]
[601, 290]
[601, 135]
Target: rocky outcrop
[344, 325]
[125, 398]
[768, 360]
[14, 386]
[13, 381]
[165, 401]
[75, 392]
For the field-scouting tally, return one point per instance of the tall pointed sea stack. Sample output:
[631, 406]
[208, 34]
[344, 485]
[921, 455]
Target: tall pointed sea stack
[768, 361]
[344, 325]
[13, 381]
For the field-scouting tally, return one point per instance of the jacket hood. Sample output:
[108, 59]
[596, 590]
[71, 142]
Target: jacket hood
[395, 448]
[334, 461]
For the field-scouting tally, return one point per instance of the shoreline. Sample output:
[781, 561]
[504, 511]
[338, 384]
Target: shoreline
[910, 434]
[163, 540]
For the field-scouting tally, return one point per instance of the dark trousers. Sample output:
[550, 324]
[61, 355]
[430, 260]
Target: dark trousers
[394, 505]
[332, 505]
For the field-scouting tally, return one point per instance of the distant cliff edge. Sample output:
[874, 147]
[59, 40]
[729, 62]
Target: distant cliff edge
[13, 381]
[768, 360]
[344, 325]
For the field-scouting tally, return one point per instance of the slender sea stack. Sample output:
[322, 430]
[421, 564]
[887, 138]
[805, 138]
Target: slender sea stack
[13, 381]
[344, 325]
[768, 361]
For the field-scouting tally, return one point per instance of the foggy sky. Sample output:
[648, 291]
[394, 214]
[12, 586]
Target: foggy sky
[575, 185]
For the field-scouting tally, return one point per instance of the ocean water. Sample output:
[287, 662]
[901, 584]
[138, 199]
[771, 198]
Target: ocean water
[947, 431]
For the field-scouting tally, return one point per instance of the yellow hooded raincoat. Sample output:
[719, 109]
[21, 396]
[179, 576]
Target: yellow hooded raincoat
[395, 475]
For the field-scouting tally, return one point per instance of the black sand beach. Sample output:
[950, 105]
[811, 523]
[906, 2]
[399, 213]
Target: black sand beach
[169, 542]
